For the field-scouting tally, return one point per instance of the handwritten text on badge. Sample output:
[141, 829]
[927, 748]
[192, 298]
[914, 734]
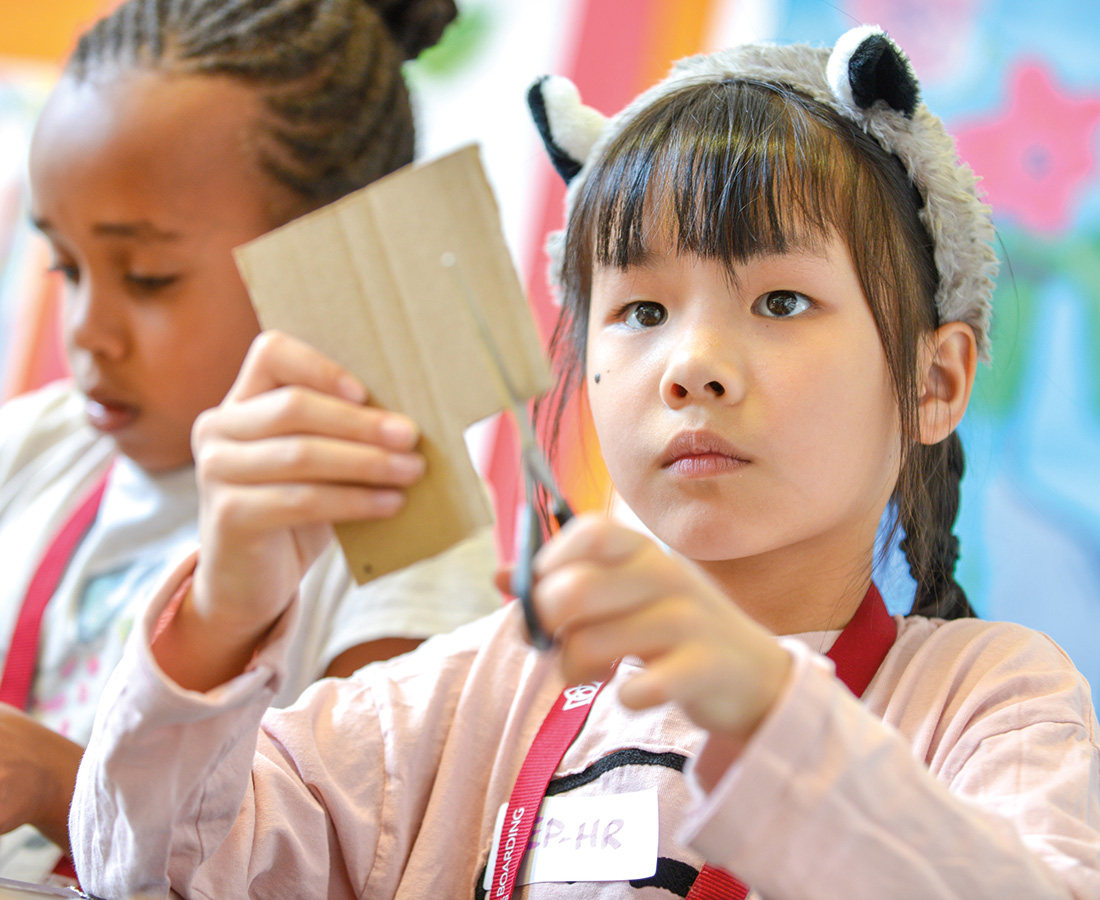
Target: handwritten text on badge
[605, 838]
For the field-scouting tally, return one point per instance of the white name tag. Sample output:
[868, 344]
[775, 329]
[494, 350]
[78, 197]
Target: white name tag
[607, 838]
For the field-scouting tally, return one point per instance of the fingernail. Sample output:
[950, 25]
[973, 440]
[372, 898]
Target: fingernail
[399, 431]
[350, 389]
[388, 502]
[408, 465]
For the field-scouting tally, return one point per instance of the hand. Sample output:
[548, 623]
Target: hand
[291, 449]
[37, 773]
[606, 592]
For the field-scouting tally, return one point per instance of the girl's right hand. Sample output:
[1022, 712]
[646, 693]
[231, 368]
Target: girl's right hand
[291, 449]
[606, 592]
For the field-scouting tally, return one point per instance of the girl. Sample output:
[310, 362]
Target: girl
[776, 284]
[174, 135]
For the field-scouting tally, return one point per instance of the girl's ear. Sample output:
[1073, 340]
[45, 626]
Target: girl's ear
[948, 362]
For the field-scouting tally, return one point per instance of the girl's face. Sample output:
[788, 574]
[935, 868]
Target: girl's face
[748, 414]
[142, 183]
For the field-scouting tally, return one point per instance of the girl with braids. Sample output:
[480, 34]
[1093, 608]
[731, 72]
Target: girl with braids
[776, 280]
[177, 132]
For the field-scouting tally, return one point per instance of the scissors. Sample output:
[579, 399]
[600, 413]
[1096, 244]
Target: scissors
[537, 471]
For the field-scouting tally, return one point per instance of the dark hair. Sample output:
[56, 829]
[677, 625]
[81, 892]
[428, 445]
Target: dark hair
[744, 168]
[337, 112]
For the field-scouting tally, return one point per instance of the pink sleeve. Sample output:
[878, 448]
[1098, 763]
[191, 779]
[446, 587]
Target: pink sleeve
[827, 801]
[218, 796]
[178, 763]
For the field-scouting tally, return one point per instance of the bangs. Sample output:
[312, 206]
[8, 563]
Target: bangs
[763, 179]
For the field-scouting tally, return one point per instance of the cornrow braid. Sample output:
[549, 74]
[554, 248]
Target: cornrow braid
[927, 510]
[338, 114]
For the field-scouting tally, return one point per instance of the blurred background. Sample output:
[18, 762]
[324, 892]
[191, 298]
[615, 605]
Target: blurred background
[1017, 82]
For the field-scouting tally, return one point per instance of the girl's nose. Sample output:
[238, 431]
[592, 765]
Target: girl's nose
[93, 323]
[701, 369]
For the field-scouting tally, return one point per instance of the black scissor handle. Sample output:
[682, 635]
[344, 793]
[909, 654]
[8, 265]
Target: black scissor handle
[523, 577]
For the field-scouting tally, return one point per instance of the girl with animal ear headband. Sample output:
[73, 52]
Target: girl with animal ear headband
[781, 276]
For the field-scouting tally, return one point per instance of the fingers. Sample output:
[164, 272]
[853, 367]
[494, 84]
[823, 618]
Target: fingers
[267, 507]
[295, 417]
[666, 679]
[315, 458]
[606, 592]
[724, 671]
[294, 410]
[726, 693]
[595, 570]
[287, 387]
[276, 359]
[647, 631]
[590, 538]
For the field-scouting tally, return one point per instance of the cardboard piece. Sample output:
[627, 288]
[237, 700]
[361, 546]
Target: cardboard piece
[362, 280]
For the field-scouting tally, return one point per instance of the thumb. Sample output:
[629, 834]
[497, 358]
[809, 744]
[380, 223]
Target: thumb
[590, 538]
[503, 580]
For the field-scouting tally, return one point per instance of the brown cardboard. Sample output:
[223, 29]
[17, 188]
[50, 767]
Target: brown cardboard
[362, 280]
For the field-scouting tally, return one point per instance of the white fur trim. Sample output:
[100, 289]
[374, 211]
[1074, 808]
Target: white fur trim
[574, 127]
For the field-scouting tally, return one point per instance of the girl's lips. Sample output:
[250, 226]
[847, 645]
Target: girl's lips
[705, 465]
[699, 454]
[107, 416]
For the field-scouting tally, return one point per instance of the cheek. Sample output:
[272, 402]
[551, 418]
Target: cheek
[221, 324]
[603, 386]
[625, 406]
[608, 376]
[602, 405]
[223, 355]
[849, 435]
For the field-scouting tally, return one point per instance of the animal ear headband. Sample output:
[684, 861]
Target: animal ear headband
[865, 78]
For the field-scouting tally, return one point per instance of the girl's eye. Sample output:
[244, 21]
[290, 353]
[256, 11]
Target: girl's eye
[645, 314]
[150, 284]
[782, 305]
[67, 271]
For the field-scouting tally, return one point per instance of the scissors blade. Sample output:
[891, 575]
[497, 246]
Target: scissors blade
[533, 458]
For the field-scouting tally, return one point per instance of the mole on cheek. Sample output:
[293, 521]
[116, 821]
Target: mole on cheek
[596, 378]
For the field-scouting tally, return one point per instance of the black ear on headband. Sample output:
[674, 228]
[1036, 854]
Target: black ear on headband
[567, 166]
[879, 70]
[569, 129]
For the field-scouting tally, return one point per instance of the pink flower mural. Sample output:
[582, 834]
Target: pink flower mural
[1037, 153]
[937, 34]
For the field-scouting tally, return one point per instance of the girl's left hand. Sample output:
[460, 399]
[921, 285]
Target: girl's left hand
[37, 773]
[605, 592]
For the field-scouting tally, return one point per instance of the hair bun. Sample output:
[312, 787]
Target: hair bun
[415, 24]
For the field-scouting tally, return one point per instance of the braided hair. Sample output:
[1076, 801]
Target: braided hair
[927, 507]
[336, 115]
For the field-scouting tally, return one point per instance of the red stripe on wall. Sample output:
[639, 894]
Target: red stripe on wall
[622, 47]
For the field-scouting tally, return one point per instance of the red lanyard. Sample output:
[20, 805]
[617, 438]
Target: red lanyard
[558, 730]
[857, 654]
[15, 683]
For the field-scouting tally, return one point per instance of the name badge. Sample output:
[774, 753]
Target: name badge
[606, 838]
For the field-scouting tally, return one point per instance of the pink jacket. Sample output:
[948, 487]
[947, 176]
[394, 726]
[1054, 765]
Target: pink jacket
[970, 770]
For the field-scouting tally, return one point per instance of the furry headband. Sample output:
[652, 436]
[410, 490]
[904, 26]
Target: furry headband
[866, 78]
